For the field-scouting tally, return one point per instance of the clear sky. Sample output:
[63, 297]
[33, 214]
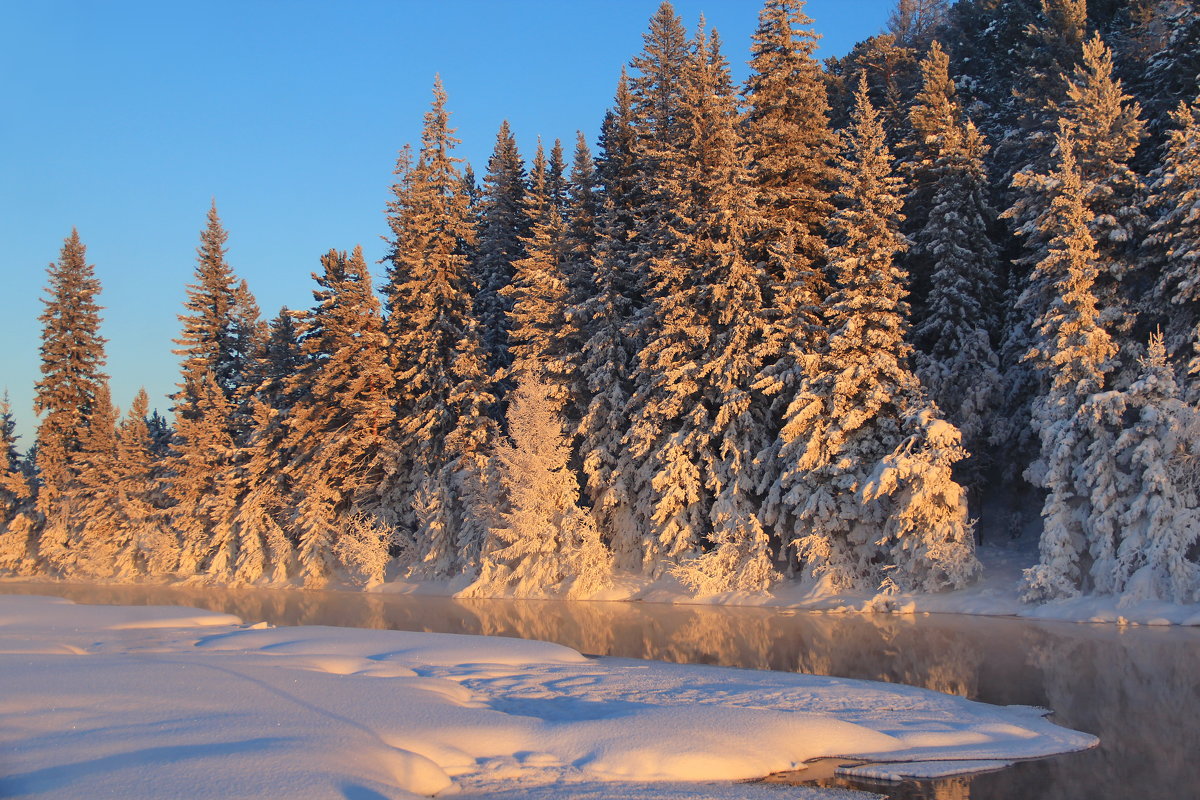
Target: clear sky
[124, 119]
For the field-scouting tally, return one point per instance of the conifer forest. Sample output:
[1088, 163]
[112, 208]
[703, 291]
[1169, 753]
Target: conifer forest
[833, 327]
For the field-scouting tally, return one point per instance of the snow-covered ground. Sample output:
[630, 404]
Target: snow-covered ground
[995, 593]
[156, 702]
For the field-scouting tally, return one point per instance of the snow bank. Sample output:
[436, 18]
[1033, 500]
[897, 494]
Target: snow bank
[139, 702]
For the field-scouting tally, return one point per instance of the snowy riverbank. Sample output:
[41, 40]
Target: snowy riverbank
[142, 702]
[995, 593]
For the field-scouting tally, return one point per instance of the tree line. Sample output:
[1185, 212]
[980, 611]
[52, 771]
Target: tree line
[830, 325]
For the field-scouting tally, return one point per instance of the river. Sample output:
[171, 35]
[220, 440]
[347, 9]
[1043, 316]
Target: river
[1137, 688]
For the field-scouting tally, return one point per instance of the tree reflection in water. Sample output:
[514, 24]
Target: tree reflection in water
[1136, 688]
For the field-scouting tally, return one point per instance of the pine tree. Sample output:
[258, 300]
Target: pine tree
[540, 324]
[73, 358]
[1049, 49]
[263, 514]
[728, 424]
[608, 304]
[950, 217]
[1160, 525]
[546, 544]
[789, 148]
[864, 451]
[503, 225]
[1176, 234]
[338, 432]
[18, 544]
[144, 545]
[95, 525]
[200, 481]
[1073, 354]
[442, 395]
[653, 442]
[221, 329]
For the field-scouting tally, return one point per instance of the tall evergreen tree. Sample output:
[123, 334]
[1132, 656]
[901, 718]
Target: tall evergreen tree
[200, 480]
[866, 489]
[144, 545]
[18, 543]
[950, 217]
[72, 366]
[545, 543]
[541, 326]
[660, 151]
[437, 357]
[723, 420]
[95, 525]
[1073, 353]
[221, 329]
[1105, 130]
[789, 148]
[503, 226]
[1176, 235]
[608, 305]
[338, 432]
[1105, 123]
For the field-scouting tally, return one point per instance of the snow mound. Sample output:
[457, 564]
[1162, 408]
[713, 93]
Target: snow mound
[140, 703]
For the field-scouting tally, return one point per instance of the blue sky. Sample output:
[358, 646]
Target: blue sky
[124, 119]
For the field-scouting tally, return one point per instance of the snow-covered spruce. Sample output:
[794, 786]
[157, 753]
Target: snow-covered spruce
[545, 544]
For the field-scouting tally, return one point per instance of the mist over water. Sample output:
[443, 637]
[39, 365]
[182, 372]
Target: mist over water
[1137, 688]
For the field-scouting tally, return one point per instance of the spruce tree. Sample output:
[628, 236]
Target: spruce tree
[540, 324]
[724, 422]
[1175, 195]
[503, 225]
[221, 329]
[1160, 525]
[789, 148]
[865, 489]
[660, 152]
[1105, 123]
[200, 481]
[607, 306]
[95, 525]
[18, 544]
[144, 545]
[1073, 353]
[545, 543]
[338, 432]
[950, 216]
[442, 393]
[72, 366]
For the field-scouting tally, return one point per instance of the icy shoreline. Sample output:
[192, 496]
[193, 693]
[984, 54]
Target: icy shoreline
[996, 594]
[162, 701]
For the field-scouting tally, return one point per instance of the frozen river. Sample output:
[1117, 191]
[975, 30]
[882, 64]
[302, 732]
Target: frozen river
[1137, 688]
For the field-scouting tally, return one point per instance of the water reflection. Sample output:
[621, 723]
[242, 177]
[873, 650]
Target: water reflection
[1136, 688]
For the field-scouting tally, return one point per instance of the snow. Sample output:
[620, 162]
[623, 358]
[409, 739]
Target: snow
[140, 702]
[995, 593]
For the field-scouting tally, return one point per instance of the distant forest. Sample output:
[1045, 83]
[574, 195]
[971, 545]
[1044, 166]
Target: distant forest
[831, 326]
